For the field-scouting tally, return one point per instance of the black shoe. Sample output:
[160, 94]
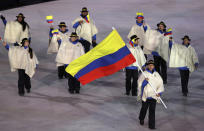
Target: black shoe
[152, 128]
[71, 92]
[21, 94]
[134, 94]
[127, 94]
[28, 90]
[185, 94]
[60, 78]
[77, 92]
[142, 122]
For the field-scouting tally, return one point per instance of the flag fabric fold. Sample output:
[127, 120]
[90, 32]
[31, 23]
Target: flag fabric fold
[106, 58]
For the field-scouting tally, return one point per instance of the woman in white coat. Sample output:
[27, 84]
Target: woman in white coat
[16, 30]
[23, 59]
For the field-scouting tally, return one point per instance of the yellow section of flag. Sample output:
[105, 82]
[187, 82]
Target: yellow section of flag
[49, 17]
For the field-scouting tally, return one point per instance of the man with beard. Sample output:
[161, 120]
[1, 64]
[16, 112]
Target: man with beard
[86, 29]
[16, 30]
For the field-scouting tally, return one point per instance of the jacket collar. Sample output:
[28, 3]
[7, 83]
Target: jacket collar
[64, 32]
[150, 71]
[74, 42]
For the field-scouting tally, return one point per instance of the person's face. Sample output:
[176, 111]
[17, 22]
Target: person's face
[26, 43]
[73, 39]
[19, 19]
[136, 42]
[139, 20]
[84, 13]
[63, 28]
[186, 41]
[161, 27]
[150, 67]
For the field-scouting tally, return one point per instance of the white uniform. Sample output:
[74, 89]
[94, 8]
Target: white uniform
[86, 30]
[69, 52]
[19, 58]
[14, 32]
[156, 81]
[163, 48]
[54, 46]
[139, 31]
[182, 56]
[138, 54]
[153, 39]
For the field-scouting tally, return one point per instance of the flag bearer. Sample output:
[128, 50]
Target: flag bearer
[86, 29]
[132, 70]
[147, 94]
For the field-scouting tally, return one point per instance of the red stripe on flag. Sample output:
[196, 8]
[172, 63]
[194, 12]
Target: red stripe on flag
[131, 44]
[49, 21]
[86, 20]
[107, 70]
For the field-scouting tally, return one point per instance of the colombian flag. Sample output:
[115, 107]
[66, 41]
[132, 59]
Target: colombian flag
[106, 58]
[55, 32]
[49, 19]
[169, 32]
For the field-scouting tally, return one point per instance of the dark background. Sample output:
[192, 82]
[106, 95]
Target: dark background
[8, 4]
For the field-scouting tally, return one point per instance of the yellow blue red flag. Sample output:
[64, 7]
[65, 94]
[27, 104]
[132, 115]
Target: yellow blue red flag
[106, 58]
[49, 19]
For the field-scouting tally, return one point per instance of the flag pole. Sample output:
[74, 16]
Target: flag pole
[152, 87]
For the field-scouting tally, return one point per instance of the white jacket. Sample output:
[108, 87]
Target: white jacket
[69, 52]
[156, 81]
[138, 54]
[153, 39]
[139, 31]
[163, 48]
[182, 56]
[14, 32]
[54, 46]
[86, 30]
[19, 58]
